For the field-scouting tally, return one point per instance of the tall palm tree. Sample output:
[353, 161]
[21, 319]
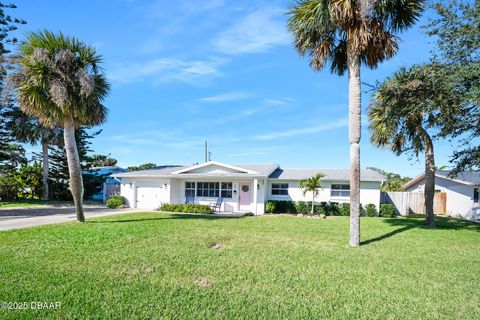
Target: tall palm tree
[312, 185]
[61, 83]
[349, 33]
[28, 130]
[403, 110]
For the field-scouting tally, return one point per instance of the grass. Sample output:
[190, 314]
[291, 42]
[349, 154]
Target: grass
[21, 203]
[157, 265]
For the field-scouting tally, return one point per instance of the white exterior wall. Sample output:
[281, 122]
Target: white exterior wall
[228, 205]
[369, 192]
[127, 190]
[134, 191]
[459, 197]
[175, 193]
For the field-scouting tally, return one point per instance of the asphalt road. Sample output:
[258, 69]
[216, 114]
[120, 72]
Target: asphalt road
[17, 218]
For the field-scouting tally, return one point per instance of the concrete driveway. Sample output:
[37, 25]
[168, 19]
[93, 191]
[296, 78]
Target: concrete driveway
[16, 218]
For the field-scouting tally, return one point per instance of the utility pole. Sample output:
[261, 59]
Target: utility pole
[206, 151]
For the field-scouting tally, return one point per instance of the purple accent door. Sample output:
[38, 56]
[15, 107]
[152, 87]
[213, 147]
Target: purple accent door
[245, 194]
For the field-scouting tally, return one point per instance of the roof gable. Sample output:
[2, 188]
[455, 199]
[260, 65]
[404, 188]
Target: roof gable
[213, 167]
[471, 178]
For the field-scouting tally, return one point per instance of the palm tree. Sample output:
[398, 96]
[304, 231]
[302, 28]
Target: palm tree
[61, 83]
[349, 33]
[312, 184]
[403, 109]
[28, 130]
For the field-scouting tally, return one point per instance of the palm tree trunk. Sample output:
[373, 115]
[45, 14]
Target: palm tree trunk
[45, 168]
[74, 168]
[313, 201]
[354, 120]
[429, 178]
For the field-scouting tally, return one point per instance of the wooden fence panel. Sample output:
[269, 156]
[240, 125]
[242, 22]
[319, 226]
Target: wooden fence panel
[414, 202]
[110, 189]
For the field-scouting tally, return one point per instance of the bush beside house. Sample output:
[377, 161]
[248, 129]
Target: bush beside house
[115, 202]
[327, 208]
[186, 208]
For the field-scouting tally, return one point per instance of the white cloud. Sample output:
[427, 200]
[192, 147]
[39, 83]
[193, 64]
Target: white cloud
[225, 97]
[168, 69]
[259, 31]
[302, 131]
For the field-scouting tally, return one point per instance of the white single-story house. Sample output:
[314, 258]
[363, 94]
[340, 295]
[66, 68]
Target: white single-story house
[244, 188]
[462, 191]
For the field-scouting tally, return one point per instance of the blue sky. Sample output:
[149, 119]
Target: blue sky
[185, 71]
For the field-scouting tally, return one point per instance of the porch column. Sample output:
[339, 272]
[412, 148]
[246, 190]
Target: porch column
[255, 195]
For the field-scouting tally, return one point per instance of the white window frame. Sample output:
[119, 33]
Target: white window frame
[228, 190]
[339, 192]
[194, 188]
[279, 187]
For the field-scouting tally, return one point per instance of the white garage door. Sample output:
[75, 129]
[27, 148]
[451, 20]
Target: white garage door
[148, 197]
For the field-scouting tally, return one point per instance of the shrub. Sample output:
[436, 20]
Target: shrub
[345, 209]
[333, 209]
[302, 207]
[186, 208]
[363, 212]
[371, 210]
[248, 214]
[387, 210]
[115, 202]
[270, 207]
[284, 207]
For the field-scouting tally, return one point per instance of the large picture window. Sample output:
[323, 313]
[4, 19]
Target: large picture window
[280, 189]
[208, 189]
[226, 190]
[340, 190]
[189, 189]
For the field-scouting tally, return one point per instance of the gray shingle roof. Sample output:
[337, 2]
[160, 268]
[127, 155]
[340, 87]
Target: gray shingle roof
[470, 177]
[330, 174]
[163, 171]
[270, 170]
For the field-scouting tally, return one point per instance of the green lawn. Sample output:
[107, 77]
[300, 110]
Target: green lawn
[156, 265]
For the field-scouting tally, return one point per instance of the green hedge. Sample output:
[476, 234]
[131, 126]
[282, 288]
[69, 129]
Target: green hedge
[186, 208]
[326, 208]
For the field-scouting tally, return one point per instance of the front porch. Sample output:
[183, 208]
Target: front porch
[237, 195]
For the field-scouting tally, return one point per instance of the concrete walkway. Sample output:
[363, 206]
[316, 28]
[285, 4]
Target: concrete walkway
[17, 218]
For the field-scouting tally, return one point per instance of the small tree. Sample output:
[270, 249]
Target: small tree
[312, 185]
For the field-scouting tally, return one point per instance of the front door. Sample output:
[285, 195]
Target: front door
[245, 196]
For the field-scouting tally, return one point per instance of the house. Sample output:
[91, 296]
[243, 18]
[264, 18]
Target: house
[462, 191]
[244, 188]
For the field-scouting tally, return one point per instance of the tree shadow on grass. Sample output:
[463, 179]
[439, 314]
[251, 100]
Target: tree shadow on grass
[167, 216]
[418, 221]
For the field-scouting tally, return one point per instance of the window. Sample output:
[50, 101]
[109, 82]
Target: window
[340, 190]
[280, 189]
[226, 190]
[475, 195]
[208, 189]
[189, 189]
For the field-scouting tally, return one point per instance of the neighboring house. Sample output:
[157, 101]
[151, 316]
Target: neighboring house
[110, 183]
[243, 187]
[462, 191]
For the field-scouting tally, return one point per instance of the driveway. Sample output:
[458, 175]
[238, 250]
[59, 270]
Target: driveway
[16, 218]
